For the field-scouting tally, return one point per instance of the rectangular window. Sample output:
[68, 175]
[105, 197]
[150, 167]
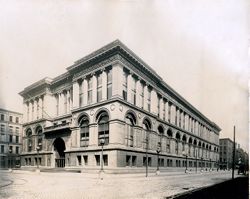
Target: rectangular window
[17, 120]
[125, 85]
[79, 160]
[176, 114]
[168, 145]
[169, 111]
[149, 161]
[10, 149]
[84, 142]
[158, 106]
[180, 114]
[99, 87]
[128, 159]
[133, 91]
[109, 84]
[90, 86]
[2, 148]
[37, 109]
[144, 161]
[2, 127]
[17, 150]
[81, 94]
[11, 119]
[17, 130]
[17, 139]
[10, 138]
[2, 117]
[97, 159]
[133, 160]
[142, 96]
[85, 159]
[162, 162]
[149, 99]
[105, 160]
[11, 129]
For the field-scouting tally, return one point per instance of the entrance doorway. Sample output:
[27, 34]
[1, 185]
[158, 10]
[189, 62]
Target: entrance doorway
[59, 148]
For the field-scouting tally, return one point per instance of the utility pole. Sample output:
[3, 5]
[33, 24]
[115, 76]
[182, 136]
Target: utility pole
[233, 155]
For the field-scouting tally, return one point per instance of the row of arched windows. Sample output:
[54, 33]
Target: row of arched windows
[39, 134]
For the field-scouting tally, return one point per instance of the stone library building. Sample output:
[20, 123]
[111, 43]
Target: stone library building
[110, 110]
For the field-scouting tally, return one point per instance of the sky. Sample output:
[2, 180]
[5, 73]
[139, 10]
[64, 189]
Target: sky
[200, 48]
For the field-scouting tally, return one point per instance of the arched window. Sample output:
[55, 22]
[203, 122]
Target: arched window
[170, 135]
[129, 128]
[161, 133]
[39, 133]
[29, 140]
[103, 127]
[177, 137]
[184, 140]
[84, 131]
[146, 125]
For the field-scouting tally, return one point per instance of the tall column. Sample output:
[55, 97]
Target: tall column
[104, 85]
[68, 100]
[138, 94]
[172, 113]
[117, 77]
[94, 89]
[154, 102]
[30, 111]
[75, 95]
[35, 109]
[40, 107]
[145, 97]
[25, 112]
[161, 107]
[166, 110]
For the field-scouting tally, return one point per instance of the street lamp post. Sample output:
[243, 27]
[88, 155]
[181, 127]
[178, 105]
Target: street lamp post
[9, 160]
[158, 152]
[147, 155]
[201, 164]
[196, 156]
[185, 154]
[102, 142]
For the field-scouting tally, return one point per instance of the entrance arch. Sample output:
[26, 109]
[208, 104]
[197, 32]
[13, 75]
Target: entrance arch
[59, 148]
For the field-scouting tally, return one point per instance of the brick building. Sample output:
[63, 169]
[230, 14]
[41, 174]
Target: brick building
[10, 138]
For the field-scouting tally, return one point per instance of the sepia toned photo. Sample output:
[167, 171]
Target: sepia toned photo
[124, 99]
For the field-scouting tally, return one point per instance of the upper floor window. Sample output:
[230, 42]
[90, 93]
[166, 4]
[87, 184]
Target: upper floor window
[11, 119]
[142, 96]
[17, 139]
[103, 128]
[125, 85]
[10, 138]
[65, 101]
[2, 117]
[17, 130]
[57, 104]
[133, 91]
[10, 149]
[109, 84]
[164, 110]
[81, 91]
[149, 99]
[11, 129]
[17, 120]
[169, 111]
[146, 125]
[37, 109]
[90, 86]
[84, 131]
[2, 127]
[158, 105]
[99, 87]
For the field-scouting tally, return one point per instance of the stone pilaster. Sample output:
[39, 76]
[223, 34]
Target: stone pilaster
[146, 97]
[129, 88]
[75, 95]
[94, 89]
[154, 102]
[138, 94]
[85, 91]
[117, 77]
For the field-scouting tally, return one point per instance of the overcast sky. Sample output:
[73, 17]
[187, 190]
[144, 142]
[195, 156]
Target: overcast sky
[200, 48]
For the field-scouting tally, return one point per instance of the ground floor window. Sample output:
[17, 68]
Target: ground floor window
[85, 159]
[79, 160]
[149, 161]
[105, 160]
[97, 159]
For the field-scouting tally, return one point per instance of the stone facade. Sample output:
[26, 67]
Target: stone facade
[112, 100]
[226, 153]
[10, 138]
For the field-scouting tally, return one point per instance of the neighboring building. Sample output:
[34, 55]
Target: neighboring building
[241, 157]
[112, 98]
[226, 153]
[10, 138]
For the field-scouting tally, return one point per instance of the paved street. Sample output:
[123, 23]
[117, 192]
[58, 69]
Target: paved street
[26, 184]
